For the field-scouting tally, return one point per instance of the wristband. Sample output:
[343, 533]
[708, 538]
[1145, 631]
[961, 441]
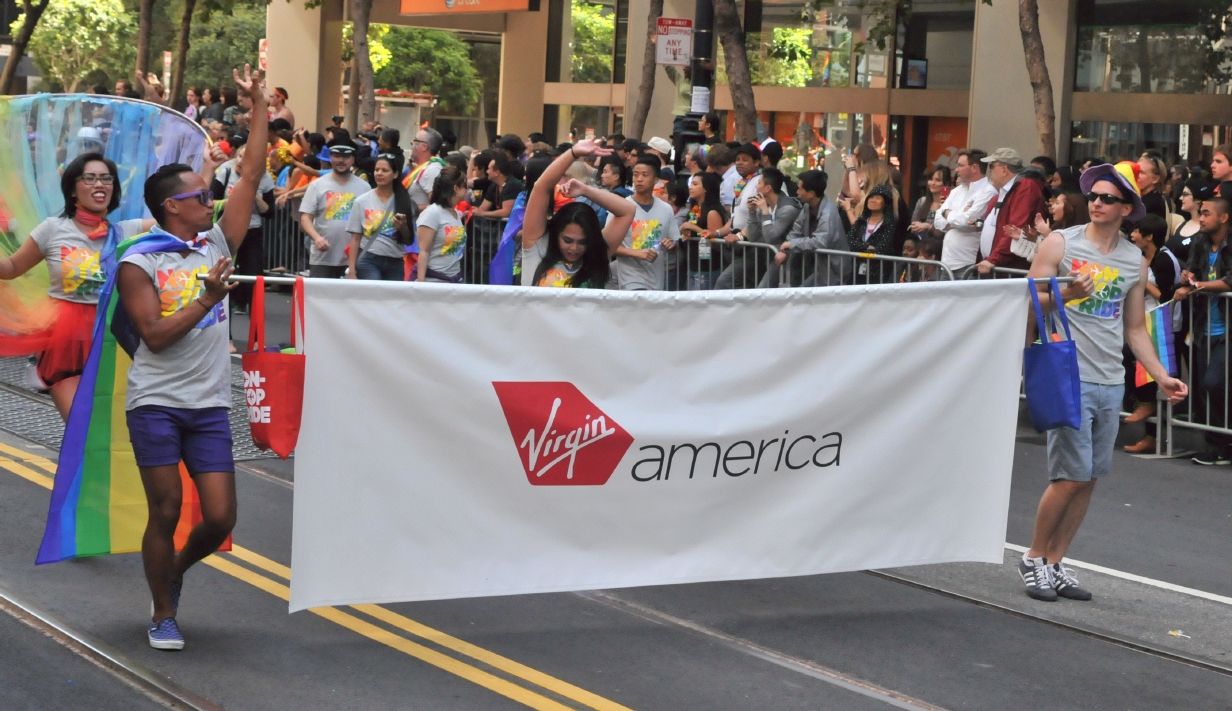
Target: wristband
[199, 301]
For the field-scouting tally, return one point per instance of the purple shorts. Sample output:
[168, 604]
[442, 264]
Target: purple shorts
[163, 436]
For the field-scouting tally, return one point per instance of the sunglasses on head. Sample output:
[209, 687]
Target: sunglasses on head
[1106, 198]
[203, 196]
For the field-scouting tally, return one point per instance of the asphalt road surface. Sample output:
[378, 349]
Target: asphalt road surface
[1157, 636]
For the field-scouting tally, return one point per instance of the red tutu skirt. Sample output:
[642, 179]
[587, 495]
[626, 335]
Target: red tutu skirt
[69, 343]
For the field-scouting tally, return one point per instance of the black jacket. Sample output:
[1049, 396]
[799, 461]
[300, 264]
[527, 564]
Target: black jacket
[1199, 266]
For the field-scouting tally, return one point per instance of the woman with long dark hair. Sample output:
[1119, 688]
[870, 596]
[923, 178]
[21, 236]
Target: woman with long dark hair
[79, 247]
[380, 224]
[441, 234]
[938, 184]
[706, 216]
[572, 250]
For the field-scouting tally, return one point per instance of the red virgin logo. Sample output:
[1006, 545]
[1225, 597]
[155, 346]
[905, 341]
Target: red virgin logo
[562, 438]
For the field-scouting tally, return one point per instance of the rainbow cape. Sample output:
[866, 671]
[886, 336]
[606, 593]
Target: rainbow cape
[500, 271]
[1159, 328]
[98, 503]
[418, 170]
[41, 134]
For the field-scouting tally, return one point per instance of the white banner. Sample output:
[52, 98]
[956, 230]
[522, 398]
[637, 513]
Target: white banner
[471, 441]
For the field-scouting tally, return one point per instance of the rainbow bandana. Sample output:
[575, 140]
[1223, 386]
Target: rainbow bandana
[98, 503]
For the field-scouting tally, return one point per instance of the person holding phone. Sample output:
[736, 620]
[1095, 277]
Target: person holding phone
[378, 224]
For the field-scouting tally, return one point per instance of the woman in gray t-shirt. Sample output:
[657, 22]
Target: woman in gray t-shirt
[440, 231]
[77, 245]
[378, 225]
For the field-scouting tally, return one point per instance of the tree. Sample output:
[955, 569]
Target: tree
[432, 62]
[361, 109]
[181, 52]
[739, 78]
[636, 123]
[1037, 70]
[145, 25]
[30, 15]
[594, 32]
[76, 37]
[226, 41]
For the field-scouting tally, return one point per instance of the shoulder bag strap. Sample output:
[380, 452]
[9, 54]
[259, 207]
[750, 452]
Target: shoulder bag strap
[256, 317]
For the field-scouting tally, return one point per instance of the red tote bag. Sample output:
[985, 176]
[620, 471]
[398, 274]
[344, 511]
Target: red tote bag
[273, 380]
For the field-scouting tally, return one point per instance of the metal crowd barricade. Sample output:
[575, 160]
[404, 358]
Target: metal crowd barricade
[484, 235]
[997, 273]
[1203, 365]
[832, 267]
[739, 265]
[285, 248]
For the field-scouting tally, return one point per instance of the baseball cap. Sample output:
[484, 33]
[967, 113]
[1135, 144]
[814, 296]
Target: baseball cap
[661, 145]
[1007, 156]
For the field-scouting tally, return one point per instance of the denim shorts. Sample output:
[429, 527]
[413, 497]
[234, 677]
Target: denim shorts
[1086, 454]
[163, 436]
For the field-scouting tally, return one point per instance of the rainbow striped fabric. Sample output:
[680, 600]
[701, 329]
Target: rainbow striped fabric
[1159, 327]
[98, 503]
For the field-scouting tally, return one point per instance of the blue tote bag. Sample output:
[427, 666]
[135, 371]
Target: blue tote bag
[1050, 371]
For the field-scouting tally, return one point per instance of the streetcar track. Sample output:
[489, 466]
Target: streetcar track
[744, 646]
[130, 672]
[1110, 638]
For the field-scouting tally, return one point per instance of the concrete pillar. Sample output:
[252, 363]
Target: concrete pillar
[662, 105]
[523, 61]
[1002, 109]
[292, 60]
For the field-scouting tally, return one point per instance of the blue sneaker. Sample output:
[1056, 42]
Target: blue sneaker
[176, 588]
[166, 635]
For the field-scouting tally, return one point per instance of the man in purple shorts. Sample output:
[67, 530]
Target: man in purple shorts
[179, 385]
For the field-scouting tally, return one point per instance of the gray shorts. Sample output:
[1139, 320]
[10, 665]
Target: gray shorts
[1086, 454]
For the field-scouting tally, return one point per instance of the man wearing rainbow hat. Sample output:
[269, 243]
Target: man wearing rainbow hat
[1105, 305]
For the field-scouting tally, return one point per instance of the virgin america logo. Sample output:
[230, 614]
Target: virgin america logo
[562, 438]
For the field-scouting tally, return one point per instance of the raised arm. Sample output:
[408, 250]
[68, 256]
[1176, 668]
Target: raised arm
[621, 209]
[236, 214]
[536, 221]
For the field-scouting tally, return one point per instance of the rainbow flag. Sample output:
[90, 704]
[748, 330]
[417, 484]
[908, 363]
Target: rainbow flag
[98, 503]
[1159, 328]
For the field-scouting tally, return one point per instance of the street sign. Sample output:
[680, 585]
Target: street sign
[674, 41]
[262, 54]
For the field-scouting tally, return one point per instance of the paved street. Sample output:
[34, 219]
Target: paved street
[952, 637]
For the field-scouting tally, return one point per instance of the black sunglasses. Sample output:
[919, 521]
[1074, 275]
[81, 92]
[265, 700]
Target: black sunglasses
[1106, 199]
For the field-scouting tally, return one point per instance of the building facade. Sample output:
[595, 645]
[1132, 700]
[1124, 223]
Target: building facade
[1126, 74]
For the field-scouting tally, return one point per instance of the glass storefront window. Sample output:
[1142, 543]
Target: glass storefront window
[589, 35]
[1117, 141]
[1154, 60]
[810, 44]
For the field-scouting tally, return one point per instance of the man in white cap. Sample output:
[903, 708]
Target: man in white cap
[663, 149]
[1105, 306]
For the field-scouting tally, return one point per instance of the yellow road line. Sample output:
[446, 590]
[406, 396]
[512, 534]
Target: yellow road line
[26, 473]
[23, 456]
[477, 653]
[376, 634]
[492, 659]
[371, 631]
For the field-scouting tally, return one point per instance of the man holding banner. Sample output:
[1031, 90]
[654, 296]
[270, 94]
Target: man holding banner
[1106, 308]
[173, 288]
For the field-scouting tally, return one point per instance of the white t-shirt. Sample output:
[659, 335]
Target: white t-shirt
[421, 187]
[650, 227]
[448, 241]
[373, 218]
[73, 260]
[228, 177]
[194, 372]
[330, 202]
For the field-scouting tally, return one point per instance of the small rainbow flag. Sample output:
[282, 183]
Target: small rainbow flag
[1159, 328]
[98, 503]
